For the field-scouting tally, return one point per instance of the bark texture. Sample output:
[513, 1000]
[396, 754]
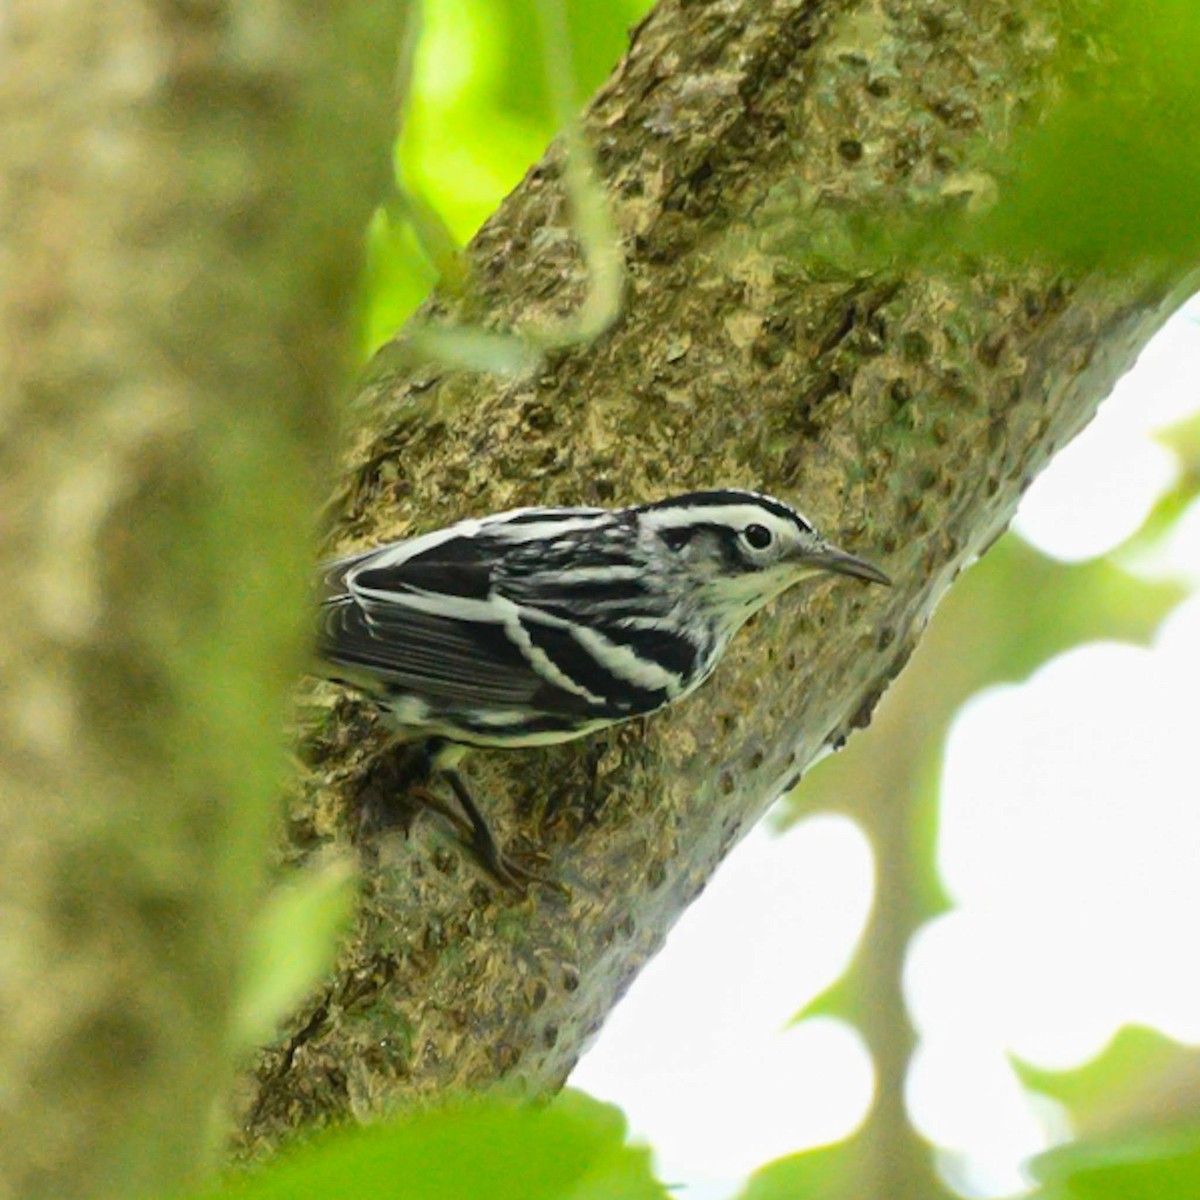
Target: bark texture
[182, 187]
[904, 411]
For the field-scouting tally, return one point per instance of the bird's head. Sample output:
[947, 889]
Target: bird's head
[741, 549]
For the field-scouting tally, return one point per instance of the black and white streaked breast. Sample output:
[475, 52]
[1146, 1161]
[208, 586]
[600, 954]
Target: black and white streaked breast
[528, 627]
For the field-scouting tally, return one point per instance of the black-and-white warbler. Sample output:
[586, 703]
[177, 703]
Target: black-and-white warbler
[544, 624]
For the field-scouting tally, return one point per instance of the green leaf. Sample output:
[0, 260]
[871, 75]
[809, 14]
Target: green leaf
[825, 1173]
[849, 1170]
[1111, 175]
[477, 112]
[1135, 1081]
[572, 1149]
[1145, 1086]
[1183, 440]
[292, 946]
[1103, 173]
[1156, 1166]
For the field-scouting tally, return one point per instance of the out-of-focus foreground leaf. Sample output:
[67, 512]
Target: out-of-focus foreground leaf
[1142, 1080]
[1103, 173]
[293, 943]
[1110, 176]
[826, 1173]
[1137, 1109]
[571, 1149]
[1153, 1166]
[478, 113]
[1183, 440]
[1011, 613]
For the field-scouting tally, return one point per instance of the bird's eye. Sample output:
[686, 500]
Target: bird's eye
[758, 536]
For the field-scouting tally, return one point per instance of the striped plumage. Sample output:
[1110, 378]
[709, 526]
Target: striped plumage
[545, 624]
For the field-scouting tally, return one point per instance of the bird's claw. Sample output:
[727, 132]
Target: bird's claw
[476, 834]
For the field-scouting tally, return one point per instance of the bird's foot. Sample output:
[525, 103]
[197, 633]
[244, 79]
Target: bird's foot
[476, 834]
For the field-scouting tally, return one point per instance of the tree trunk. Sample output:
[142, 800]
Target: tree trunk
[182, 190]
[904, 411]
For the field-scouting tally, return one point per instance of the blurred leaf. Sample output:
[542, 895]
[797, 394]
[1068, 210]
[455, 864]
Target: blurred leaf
[1110, 174]
[599, 35]
[839, 1172]
[1007, 615]
[571, 1149]
[1104, 174]
[840, 1000]
[397, 277]
[441, 248]
[478, 113]
[1060, 605]
[825, 1173]
[821, 1174]
[1183, 440]
[1142, 1080]
[1155, 1166]
[1004, 618]
[293, 944]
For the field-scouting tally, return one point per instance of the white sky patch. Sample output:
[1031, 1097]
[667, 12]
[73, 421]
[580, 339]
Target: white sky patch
[1100, 488]
[990, 1115]
[698, 1053]
[1069, 840]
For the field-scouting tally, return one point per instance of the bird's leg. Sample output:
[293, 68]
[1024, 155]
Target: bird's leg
[395, 789]
[443, 758]
[388, 798]
[429, 752]
[482, 840]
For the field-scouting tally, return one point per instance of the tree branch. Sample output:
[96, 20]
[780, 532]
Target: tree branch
[905, 412]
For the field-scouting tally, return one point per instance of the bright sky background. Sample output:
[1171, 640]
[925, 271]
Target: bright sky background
[1071, 858]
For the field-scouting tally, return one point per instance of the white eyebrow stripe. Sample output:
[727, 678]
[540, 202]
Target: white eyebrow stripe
[736, 516]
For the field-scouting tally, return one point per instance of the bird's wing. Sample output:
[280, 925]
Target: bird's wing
[446, 661]
[506, 614]
[431, 625]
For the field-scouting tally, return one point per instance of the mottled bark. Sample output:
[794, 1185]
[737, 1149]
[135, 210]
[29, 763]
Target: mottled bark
[182, 190]
[904, 410]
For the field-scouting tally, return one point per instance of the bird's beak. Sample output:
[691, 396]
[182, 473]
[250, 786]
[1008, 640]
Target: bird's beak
[830, 558]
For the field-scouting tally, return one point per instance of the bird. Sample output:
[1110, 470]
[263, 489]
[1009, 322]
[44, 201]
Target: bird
[540, 625]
